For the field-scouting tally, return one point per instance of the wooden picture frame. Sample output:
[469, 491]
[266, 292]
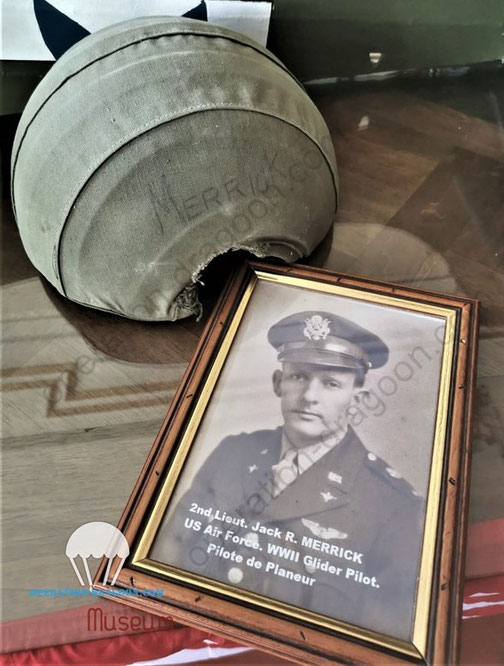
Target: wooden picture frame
[424, 427]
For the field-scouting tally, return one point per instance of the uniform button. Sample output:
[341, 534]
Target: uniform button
[253, 537]
[310, 568]
[371, 456]
[235, 575]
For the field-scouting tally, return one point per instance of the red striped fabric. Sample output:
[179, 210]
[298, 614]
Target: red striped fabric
[117, 651]
[482, 597]
[482, 605]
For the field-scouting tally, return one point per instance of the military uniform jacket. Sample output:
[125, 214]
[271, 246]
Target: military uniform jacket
[356, 528]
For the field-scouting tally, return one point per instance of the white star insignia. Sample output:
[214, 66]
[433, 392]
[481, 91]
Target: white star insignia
[328, 496]
[252, 468]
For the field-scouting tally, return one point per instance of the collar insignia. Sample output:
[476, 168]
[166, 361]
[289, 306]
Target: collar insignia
[392, 472]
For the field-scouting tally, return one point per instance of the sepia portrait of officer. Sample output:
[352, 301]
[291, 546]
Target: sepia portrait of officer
[337, 530]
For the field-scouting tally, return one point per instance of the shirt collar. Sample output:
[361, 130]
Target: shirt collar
[309, 455]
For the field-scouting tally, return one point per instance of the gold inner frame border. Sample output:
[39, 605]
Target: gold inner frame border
[140, 559]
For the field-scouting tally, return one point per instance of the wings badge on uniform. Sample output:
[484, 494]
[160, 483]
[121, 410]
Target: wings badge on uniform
[323, 532]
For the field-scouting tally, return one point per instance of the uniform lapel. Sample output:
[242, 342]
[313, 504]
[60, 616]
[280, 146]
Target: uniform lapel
[258, 463]
[319, 488]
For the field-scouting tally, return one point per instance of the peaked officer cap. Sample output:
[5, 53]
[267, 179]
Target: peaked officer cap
[327, 339]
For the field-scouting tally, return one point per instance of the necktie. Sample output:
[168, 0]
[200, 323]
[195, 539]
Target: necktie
[285, 472]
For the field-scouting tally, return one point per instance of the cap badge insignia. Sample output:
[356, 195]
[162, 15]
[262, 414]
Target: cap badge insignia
[328, 496]
[323, 532]
[317, 328]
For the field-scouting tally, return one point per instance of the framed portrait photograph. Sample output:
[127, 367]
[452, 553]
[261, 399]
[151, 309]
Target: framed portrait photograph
[307, 491]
